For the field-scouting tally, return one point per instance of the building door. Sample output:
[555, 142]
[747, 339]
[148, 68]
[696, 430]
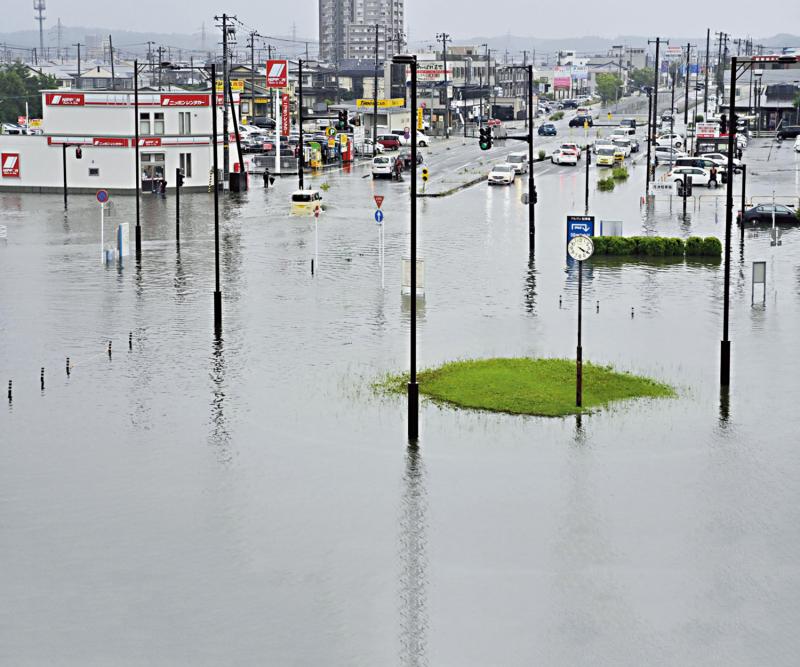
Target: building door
[153, 169]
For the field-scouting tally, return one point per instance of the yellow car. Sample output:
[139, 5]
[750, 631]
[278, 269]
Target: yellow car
[619, 154]
[306, 202]
[605, 156]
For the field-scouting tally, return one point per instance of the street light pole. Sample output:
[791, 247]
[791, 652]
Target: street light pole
[443, 37]
[705, 86]
[301, 155]
[531, 183]
[64, 169]
[649, 136]
[217, 291]
[686, 100]
[725, 346]
[137, 175]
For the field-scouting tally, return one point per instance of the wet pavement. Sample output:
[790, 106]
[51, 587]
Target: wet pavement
[252, 501]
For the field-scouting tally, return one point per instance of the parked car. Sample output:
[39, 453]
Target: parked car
[624, 130]
[405, 157]
[422, 140]
[561, 156]
[763, 214]
[389, 141]
[702, 163]
[788, 131]
[721, 160]
[367, 149]
[797, 144]
[605, 155]
[699, 176]
[263, 122]
[580, 121]
[629, 123]
[383, 166]
[669, 139]
[569, 104]
[519, 161]
[666, 154]
[502, 174]
[547, 130]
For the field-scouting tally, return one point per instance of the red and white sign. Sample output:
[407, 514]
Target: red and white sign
[706, 130]
[109, 141]
[10, 162]
[277, 73]
[379, 200]
[152, 142]
[22, 120]
[64, 99]
[285, 115]
[184, 100]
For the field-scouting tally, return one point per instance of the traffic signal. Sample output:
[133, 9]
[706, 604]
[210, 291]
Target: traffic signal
[78, 153]
[179, 177]
[535, 197]
[723, 124]
[424, 173]
[485, 140]
[341, 124]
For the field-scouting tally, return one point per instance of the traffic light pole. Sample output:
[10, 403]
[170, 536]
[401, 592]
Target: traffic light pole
[137, 175]
[531, 183]
[301, 155]
[64, 169]
[178, 177]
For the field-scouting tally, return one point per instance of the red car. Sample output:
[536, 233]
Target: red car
[390, 142]
[494, 121]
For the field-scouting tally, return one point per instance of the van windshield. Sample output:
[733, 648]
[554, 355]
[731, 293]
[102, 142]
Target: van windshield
[302, 197]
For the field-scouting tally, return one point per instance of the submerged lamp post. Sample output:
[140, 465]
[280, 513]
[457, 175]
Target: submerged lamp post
[413, 387]
[580, 248]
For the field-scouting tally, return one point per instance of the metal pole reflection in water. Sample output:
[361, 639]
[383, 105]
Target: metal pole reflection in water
[219, 437]
[413, 562]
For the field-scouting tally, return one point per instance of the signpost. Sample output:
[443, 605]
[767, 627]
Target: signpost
[102, 198]
[379, 221]
[378, 200]
[580, 248]
[277, 77]
[579, 225]
[759, 278]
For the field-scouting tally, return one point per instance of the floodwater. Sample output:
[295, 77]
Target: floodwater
[253, 501]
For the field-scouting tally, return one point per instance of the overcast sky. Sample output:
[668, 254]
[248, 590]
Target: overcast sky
[426, 17]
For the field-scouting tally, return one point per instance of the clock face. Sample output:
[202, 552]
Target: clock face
[580, 248]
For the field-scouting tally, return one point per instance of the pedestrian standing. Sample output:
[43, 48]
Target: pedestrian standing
[713, 178]
[266, 177]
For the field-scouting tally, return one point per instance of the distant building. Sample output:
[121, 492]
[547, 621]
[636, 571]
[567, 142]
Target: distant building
[347, 28]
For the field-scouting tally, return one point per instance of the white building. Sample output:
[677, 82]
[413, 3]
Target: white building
[175, 130]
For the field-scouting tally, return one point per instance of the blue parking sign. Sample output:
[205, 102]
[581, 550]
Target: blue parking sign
[579, 225]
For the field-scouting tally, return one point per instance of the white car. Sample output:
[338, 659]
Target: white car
[624, 130]
[797, 144]
[367, 150]
[562, 156]
[502, 174]
[721, 160]
[422, 140]
[383, 166]
[698, 175]
[519, 161]
[622, 143]
[571, 148]
[665, 153]
[668, 139]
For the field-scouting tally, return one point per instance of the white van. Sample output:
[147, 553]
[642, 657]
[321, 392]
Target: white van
[519, 161]
[383, 166]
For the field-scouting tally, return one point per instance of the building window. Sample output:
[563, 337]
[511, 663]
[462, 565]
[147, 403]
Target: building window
[94, 171]
[184, 122]
[144, 123]
[186, 164]
[158, 122]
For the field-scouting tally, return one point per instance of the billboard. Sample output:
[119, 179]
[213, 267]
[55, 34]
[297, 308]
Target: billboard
[277, 73]
[561, 78]
[285, 114]
[64, 99]
[580, 72]
[10, 162]
[185, 100]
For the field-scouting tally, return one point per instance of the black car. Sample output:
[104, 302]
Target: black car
[579, 121]
[788, 131]
[763, 213]
[264, 122]
[547, 130]
[405, 157]
[569, 104]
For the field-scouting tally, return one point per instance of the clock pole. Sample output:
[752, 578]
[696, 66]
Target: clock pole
[579, 351]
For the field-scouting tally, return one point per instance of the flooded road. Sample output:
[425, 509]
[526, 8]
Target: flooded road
[253, 501]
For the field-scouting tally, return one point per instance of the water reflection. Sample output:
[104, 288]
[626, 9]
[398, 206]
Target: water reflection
[219, 437]
[724, 407]
[530, 287]
[413, 562]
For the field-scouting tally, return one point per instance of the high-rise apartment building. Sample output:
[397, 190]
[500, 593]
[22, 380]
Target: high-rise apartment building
[347, 28]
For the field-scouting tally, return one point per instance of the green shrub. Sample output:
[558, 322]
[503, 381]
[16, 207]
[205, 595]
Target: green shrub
[620, 245]
[699, 118]
[542, 154]
[674, 247]
[558, 115]
[648, 246]
[652, 246]
[605, 184]
[712, 247]
[325, 186]
[694, 246]
[619, 174]
[600, 244]
[797, 212]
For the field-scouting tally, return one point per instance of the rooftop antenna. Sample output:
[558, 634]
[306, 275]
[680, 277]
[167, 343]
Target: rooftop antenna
[39, 7]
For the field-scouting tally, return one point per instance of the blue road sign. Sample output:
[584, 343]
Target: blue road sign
[579, 225]
[379, 216]
[102, 196]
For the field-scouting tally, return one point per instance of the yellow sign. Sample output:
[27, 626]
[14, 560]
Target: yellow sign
[332, 142]
[35, 122]
[261, 100]
[237, 86]
[419, 119]
[382, 104]
[343, 140]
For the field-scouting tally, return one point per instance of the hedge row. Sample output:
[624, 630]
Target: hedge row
[658, 246]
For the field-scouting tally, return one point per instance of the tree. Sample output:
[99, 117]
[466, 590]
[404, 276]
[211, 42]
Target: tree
[642, 77]
[19, 85]
[607, 86]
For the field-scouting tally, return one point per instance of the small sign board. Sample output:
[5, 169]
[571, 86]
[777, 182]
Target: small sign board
[579, 225]
[331, 142]
[102, 196]
[277, 73]
[379, 216]
[663, 188]
[378, 200]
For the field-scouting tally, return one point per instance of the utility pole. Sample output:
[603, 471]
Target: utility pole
[253, 74]
[111, 54]
[705, 88]
[375, 100]
[655, 94]
[78, 78]
[160, 60]
[686, 100]
[225, 85]
[39, 7]
[301, 155]
[443, 37]
[649, 137]
[528, 99]
[720, 68]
